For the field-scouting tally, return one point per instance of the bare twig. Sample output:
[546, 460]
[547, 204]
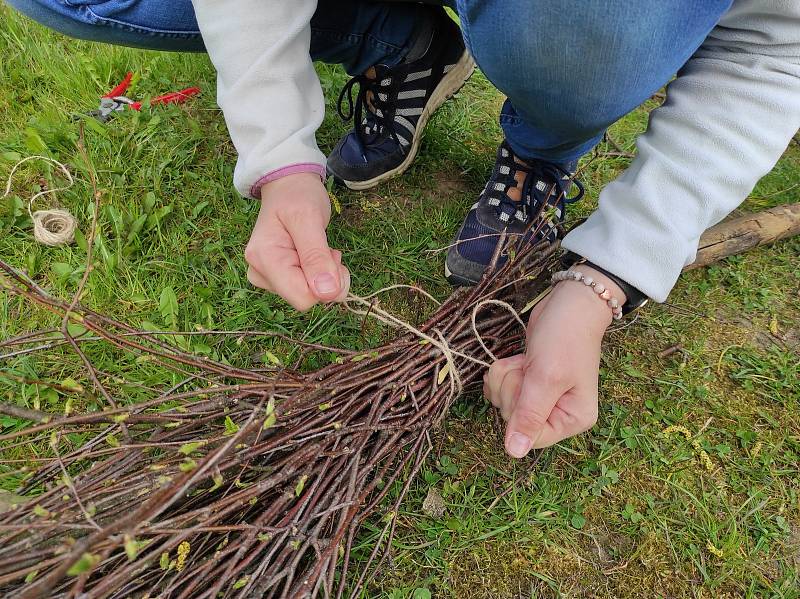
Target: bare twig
[618, 151]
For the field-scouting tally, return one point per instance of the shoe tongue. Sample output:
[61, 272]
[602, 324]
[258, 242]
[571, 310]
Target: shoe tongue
[539, 186]
[374, 73]
[370, 73]
[514, 201]
[514, 193]
[379, 72]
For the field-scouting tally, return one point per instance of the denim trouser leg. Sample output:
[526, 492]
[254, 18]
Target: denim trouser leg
[360, 33]
[571, 69]
[355, 33]
[150, 24]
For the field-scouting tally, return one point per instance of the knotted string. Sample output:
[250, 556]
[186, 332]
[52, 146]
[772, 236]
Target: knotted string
[456, 384]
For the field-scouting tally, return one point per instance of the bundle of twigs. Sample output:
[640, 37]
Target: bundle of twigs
[252, 483]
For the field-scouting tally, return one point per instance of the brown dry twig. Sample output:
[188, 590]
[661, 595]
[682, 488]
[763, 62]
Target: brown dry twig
[618, 151]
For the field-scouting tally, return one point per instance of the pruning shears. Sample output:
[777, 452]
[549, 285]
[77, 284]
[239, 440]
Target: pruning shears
[116, 101]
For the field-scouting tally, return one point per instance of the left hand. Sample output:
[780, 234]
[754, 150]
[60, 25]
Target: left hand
[550, 392]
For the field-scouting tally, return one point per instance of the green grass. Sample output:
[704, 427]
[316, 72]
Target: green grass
[625, 511]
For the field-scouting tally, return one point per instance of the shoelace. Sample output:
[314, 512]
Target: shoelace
[538, 171]
[368, 121]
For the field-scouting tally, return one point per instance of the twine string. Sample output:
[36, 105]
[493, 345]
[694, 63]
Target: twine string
[50, 227]
[387, 318]
[454, 376]
[456, 384]
[493, 302]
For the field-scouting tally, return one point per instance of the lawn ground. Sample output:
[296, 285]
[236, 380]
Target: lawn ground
[689, 485]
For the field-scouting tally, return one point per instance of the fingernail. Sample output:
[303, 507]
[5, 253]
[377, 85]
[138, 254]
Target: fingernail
[518, 445]
[325, 283]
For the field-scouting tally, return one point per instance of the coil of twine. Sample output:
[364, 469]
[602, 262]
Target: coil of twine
[50, 227]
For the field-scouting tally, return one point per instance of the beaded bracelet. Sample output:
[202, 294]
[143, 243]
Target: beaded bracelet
[598, 288]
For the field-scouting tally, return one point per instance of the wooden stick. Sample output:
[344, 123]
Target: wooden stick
[24, 413]
[742, 233]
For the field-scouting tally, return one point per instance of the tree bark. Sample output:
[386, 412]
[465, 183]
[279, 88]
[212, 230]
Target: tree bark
[742, 233]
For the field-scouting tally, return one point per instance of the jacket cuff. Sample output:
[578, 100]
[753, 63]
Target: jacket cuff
[300, 167]
[637, 252]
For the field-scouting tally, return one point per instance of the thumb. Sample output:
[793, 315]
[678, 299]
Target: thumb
[317, 261]
[529, 425]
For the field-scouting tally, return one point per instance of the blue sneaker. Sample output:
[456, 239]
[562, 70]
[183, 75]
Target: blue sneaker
[535, 183]
[394, 104]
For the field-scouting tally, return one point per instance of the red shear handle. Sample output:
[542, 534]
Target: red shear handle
[175, 97]
[121, 88]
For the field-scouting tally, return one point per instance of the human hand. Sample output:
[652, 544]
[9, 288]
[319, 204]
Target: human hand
[288, 251]
[550, 392]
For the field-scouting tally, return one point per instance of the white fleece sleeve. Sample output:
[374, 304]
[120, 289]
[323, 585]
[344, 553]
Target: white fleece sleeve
[266, 85]
[728, 117]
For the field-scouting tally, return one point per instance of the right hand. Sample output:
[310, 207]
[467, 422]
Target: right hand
[550, 392]
[288, 252]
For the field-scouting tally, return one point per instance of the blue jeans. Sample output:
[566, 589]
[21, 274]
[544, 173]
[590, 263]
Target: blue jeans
[356, 34]
[569, 70]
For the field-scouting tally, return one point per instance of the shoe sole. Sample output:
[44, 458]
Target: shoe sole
[450, 84]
